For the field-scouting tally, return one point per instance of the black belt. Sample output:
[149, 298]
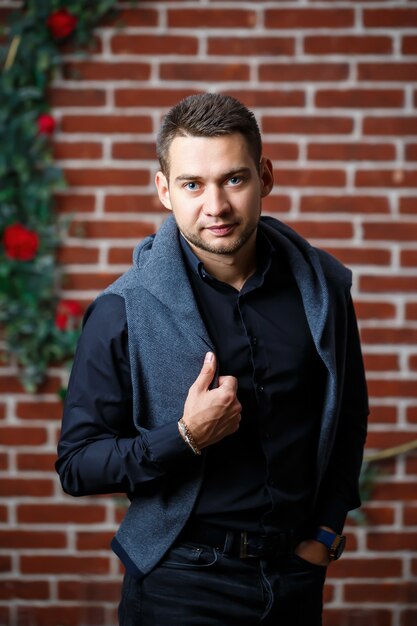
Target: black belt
[242, 544]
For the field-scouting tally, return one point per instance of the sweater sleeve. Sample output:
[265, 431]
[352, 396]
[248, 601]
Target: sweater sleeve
[339, 492]
[100, 450]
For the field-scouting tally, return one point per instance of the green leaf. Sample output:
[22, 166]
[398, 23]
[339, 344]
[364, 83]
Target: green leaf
[29, 290]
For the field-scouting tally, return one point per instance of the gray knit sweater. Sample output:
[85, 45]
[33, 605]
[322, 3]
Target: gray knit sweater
[167, 344]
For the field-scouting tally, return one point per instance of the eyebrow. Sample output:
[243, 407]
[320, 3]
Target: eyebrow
[224, 176]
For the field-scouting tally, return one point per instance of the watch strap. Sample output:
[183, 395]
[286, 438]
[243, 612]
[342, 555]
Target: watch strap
[334, 542]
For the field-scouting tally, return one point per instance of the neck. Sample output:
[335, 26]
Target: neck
[233, 269]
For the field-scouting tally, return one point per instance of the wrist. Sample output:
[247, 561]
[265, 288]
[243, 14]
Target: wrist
[334, 543]
[188, 437]
[313, 552]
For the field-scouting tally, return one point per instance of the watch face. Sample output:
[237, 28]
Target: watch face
[337, 551]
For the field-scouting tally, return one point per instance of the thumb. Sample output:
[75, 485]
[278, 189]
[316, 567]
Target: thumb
[207, 372]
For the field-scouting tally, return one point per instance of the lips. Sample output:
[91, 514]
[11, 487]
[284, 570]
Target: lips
[221, 230]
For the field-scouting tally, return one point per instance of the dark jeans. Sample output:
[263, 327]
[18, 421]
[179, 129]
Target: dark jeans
[198, 586]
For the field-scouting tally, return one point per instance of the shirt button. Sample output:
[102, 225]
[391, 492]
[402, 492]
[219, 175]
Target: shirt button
[260, 388]
[254, 341]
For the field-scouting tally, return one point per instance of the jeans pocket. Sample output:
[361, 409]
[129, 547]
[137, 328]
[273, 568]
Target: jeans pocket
[302, 563]
[190, 556]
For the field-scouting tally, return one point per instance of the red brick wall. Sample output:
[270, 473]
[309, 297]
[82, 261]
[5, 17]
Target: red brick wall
[334, 86]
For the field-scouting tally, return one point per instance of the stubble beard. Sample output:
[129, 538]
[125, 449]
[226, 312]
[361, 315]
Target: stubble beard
[227, 248]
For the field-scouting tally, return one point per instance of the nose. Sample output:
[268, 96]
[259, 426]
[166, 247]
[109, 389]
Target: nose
[216, 201]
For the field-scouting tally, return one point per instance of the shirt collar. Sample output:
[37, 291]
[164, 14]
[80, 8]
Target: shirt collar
[192, 260]
[264, 250]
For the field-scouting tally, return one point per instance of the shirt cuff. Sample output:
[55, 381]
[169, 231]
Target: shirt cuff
[333, 515]
[165, 445]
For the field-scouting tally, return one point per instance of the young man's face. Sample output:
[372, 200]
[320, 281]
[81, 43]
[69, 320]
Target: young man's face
[214, 191]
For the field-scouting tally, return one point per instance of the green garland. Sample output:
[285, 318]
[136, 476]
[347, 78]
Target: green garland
[39, 329]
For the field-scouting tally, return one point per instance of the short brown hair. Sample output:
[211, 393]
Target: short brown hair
[208, 115]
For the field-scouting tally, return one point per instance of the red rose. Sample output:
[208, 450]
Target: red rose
[20, 243]
[61, 23]
[68, 315]
[46, 124]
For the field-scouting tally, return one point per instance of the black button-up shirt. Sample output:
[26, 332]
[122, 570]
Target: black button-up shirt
[261, 478]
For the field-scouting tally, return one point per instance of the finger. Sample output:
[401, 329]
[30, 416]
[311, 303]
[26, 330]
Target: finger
[229, 382]
[206, 375]
[236, 422]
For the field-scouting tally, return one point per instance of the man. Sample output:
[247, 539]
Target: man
[219, 383]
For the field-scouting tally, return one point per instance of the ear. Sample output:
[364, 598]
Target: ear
[163, 190]
[266, 174]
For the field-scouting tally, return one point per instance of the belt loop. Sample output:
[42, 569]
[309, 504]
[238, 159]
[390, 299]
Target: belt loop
[228, 542]
[292, 542]
[243, 553]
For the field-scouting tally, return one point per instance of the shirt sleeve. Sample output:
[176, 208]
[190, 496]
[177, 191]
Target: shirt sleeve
[339, 492]
[100, 450]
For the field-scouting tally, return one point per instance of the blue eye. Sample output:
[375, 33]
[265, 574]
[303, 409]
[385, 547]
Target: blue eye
[235, 180]
[191, 186]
